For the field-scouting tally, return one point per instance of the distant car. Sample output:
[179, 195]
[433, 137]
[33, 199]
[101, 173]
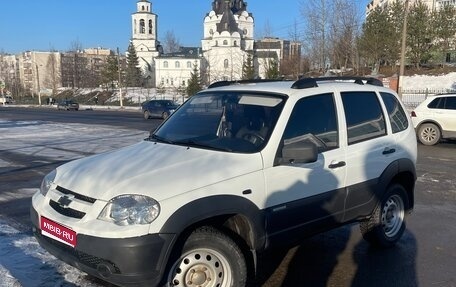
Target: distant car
[68, 105]
[158, 108]
[435, 119]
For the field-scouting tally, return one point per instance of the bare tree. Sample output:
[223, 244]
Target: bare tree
[344, 27]
[171, 44]
[53, 71]
[317, 16]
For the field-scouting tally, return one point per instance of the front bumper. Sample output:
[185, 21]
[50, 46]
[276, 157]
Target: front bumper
[137, 261]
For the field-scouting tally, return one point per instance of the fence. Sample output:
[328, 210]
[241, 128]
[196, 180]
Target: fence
[412, 98]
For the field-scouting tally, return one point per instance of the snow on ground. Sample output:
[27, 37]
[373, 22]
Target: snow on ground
[23, 263]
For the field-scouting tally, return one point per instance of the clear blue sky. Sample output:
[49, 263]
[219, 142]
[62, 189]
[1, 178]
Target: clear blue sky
[43, 25]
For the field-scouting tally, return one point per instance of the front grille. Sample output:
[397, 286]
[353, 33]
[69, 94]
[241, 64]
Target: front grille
[86, 259]
[66, 211]
[76, 195]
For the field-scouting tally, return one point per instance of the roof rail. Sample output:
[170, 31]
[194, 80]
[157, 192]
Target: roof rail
[305, 83]
[240, 82]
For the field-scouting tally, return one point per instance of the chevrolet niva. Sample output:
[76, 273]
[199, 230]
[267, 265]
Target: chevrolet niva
[239, 168]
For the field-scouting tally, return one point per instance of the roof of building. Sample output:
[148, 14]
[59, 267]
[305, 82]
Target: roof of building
[184, 52]
[265, 45]
[236, 6]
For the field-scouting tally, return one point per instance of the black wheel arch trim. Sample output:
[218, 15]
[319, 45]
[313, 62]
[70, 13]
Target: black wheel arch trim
[393, 173]
[207, 208]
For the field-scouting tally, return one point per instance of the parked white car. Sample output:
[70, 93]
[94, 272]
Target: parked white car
[435, 119]
[239, 168]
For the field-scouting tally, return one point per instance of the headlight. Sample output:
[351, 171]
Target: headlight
[130, 210]
[47, 182]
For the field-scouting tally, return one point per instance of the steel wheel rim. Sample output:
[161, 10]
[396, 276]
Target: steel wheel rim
[429, 134]
[201, 268]
[393, 215]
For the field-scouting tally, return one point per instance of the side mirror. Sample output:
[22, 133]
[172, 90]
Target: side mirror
[300, 152]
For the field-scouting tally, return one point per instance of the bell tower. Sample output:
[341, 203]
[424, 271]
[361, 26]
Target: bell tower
[144, 35]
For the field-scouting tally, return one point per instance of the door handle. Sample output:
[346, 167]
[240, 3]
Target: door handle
[388, 150]
[337, 164]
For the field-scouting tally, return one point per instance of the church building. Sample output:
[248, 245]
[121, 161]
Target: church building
[228, 41]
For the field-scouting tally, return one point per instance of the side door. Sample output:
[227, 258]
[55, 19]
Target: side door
[307, 197]
[447, 116]
[369, 150]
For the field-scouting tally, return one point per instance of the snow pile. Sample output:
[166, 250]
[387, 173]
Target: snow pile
[423, 82]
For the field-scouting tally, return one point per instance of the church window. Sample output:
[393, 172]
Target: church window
[177, 64]
[226, 63]
[216, 43]
[150, 26]
[136, 31]
[165, 64]
[235, 44]
[245, 31]
[142, 8]
[189, 64]
[142, 26]
[225, 42]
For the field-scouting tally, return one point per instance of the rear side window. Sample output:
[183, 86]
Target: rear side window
[450, 103]
[398, 119]
[438, 103]
[363, 115]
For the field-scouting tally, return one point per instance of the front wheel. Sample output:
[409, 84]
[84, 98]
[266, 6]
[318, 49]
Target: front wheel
[387, 223]
[208, 258]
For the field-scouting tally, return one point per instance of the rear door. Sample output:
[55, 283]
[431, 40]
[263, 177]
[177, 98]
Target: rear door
[447, 116]
[369, 150]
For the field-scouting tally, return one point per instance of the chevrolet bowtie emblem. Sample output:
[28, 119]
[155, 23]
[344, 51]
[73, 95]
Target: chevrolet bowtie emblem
[65, 200]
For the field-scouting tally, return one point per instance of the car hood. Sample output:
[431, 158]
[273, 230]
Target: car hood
[158, 170]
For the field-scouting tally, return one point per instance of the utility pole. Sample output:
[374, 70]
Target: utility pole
[403, 48]
[120, 85]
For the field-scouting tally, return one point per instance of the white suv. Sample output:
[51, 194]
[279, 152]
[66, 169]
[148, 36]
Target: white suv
[239, 168]
[435, 119]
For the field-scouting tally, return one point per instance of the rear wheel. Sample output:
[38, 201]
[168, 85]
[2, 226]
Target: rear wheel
[387, 223]
[429, 134]
[208, 258]
[146, 115]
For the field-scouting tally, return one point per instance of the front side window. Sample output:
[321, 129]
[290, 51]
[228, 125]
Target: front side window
[397, 116]
[314, 119]
[228, 121]
[363, 115]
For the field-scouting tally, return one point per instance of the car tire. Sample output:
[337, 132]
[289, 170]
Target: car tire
[146, 115]
[165, 115]
[387, 223]
[429, 134]
[208, 258]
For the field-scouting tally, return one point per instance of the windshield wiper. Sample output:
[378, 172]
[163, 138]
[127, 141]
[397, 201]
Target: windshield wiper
[191, 143]
[159, 139]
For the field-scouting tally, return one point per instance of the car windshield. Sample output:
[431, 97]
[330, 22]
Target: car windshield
[227, 121]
